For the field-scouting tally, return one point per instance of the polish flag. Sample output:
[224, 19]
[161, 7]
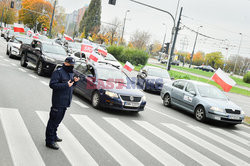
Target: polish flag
[223, 80]
[87, 48]
[102, 52]
[5, 28]
[18, 28]
[29, 32]
[129, 66]
[68, 38]
[94, 58]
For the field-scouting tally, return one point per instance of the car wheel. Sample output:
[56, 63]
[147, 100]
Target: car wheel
[7, 52]
[96, 100]
[200, 114]
[10, 55]
[167, 100]
[23, 61]
[39, 68]
[144, 86]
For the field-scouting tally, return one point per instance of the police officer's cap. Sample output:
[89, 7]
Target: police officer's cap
[70, 60]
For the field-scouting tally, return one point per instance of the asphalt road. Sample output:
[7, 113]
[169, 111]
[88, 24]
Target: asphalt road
[156, 136]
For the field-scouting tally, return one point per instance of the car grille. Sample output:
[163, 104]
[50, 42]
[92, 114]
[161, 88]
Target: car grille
[230, 111]
[231, 120]
[127, 98]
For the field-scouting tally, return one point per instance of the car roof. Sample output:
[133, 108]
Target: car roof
[197, 82]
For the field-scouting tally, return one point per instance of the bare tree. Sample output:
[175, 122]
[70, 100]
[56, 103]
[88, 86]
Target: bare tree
[113, 29]
[140, 39]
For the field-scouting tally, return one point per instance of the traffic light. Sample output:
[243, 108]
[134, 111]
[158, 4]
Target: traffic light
[166, 48]
[112, 2]
[12, 4]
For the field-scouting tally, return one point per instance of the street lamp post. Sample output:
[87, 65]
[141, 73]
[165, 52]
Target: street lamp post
[51, 22]
[238, 53]
[125, 18]
[162, 47]
[192, 55]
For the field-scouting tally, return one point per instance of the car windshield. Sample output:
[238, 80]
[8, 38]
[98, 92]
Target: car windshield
[107, 74]
[110, 57]
[23, 40]
[75, 45]
[54, 49]
[158, 73]
[210, 92]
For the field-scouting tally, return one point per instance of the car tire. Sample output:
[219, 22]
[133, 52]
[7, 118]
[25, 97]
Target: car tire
[96, 100]
[23, 61]
[10, 55]
[39, 68]
[7, 52]
[200, 114]
[167, 100]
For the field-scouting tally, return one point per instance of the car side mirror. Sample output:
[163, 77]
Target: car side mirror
[192, 93]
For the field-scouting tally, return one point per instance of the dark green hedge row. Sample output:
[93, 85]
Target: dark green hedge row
[246, 77]
[134, 56]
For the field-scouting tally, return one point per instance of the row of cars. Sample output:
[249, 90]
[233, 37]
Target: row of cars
[109, 86]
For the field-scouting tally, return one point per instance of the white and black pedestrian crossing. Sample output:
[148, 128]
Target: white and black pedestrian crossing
[24, 151]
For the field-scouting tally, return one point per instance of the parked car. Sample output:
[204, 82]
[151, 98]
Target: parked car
[111, 60]
[3, 31]
[152, 78]
[176, 63]
[10, 34]
[203, 100]
[72, 47]
[44, 55]
[14, 44]
[108, 87]
[205, 68]
[164, 61]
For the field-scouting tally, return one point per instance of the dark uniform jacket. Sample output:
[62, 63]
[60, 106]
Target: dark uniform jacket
[62, 93]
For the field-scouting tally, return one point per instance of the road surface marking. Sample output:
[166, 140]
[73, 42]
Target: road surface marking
[120, 154]
[167, 116]
[31, 75]
[242, 133]
[71, 147]
[232, 136]
[22, 148]
[22, 70]
[80, 104]
[221, 140]
[203, 160]
[6, 60]
[143, 142]
[13, 64]
[45, 83]
[212, 148]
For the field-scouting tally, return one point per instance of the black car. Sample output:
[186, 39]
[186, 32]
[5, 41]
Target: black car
[205, 68]
[152, 78]
[176, 63]
[44, 55]
[107, 86]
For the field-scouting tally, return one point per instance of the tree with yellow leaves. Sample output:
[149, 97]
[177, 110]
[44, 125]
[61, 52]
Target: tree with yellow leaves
[9, 16]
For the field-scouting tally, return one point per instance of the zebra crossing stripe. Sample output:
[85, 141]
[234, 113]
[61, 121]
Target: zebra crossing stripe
[212, 148]
[203, 160]
[232, 136]
[80, 104]
[44, 83]
[31, 75]
[22, 148]
[71, 147]
[143, 142]
[242, 133]
[106, 141]
[22, 70]
[222, 141]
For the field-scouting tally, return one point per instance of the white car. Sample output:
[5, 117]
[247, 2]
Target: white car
[111, 60]
[14, 44]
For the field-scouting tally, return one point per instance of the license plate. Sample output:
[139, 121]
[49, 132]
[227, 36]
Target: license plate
[234, 117]
[131, 104]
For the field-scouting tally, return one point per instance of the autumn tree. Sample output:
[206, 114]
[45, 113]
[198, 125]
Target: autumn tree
[184, 57]
[214, 59]
[113, 30]
[140, 39]
[199, 58]
[9, 16]
[30, 13]
[156, 47]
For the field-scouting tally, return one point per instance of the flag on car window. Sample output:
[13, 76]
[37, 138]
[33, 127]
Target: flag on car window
[29, 32]
[128, 66]
[18, 28]
[223, 80]
[66, 37]
[94, 58]
[87, 48]
[102, 52]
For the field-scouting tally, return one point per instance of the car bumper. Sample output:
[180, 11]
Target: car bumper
[118, 104]
[48, 67]
[228, 118]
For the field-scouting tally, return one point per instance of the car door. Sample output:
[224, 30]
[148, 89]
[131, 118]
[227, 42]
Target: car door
[189, 97]
[37, 52]
[177, 92]
[141, 76]
[31, 51]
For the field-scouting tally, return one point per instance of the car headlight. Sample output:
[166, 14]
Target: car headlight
[49, 59]
[111, 94]
[143, 98]
[216, 109]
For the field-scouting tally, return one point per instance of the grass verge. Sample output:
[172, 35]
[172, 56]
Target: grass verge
[247, 120]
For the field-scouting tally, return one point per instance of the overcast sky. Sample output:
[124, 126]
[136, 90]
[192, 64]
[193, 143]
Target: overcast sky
[221, 19]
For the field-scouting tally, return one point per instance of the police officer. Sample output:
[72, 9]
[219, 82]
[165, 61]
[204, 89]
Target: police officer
[62, 83]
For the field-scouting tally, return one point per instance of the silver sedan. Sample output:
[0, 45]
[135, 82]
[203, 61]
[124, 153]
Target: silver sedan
[203, 100]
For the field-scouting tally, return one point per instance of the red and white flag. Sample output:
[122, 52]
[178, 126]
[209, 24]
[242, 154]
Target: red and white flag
[94, 58]
[102, 52]
[68, 38]
[128, 66]
[87, 48]
[18, 28]
[29, 32]
[223, 80]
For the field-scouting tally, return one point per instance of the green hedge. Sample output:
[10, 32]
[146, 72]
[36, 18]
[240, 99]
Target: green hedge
[134, 56]
[246, 77]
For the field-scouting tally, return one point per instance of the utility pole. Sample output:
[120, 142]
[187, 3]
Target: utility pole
[162, 47]
[238, 53]
[175, 38]
[124, 23]
[51, 23]
[192, 55]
